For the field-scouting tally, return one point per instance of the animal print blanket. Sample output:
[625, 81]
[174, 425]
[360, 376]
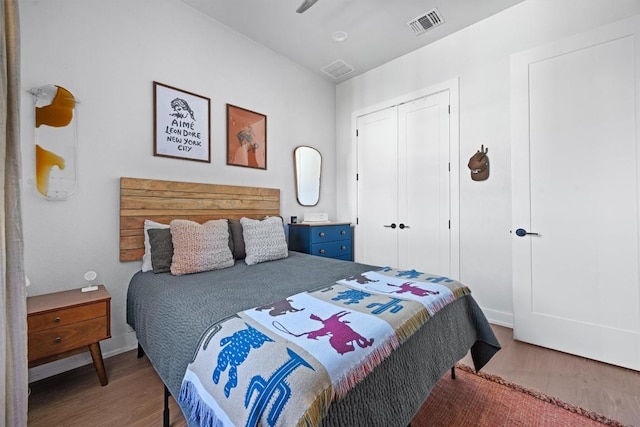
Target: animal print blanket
[282, 364]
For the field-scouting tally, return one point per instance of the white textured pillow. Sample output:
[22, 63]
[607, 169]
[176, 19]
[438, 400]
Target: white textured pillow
[200, 247]
[146, 258]
[264, 240]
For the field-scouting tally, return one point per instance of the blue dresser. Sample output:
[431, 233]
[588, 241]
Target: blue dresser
[327, 240]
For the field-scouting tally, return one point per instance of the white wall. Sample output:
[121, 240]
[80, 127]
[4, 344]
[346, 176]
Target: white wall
[479, 56]
[108, 53]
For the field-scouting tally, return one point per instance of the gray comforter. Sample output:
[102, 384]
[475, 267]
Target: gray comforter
[169, 314]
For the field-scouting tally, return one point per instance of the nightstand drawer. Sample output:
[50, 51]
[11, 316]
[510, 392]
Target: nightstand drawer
[53, 341]
[330, 233]
[66, 316]
[332, 249]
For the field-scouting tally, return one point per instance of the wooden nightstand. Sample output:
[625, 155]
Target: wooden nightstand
[65, 323]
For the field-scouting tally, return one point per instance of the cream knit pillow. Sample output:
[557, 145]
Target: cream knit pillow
[264, 240]
[200, 247]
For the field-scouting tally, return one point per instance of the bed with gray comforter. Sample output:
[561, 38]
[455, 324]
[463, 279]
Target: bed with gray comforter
[170, 313]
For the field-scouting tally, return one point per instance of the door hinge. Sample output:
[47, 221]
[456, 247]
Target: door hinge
[356, 132]
[357, 177]
[356, 221]
[449, 109]
[449, 224]
[449, 166]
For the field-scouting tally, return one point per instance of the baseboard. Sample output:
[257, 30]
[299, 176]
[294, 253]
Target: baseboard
[500, 318]
[116, 345]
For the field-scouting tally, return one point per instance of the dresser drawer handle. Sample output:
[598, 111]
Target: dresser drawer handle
[57, 340]
[321, 234]
[56, 320]
[322, 251]
[343, 248]
[343, 232]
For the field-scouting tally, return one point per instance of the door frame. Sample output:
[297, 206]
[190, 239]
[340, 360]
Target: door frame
[452, 86]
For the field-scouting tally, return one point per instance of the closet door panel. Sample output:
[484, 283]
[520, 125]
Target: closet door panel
[423, 190]
[377, 188]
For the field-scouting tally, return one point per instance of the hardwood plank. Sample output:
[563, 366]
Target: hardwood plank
[181, 203]
[215, 213]
[132, 242]
[131, 254]
[161, 185]
[133, 397]
[133, 225]
[247, 192]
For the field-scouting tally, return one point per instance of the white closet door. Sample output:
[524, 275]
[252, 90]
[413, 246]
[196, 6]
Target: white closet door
[403, 186]
[377, 188]
[575, 163]
[423, 191]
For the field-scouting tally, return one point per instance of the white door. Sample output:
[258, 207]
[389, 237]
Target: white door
[403, 186]
[423, 190]
[376, 240]
[575, 157]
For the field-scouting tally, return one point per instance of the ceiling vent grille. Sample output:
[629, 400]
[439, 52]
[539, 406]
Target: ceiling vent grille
[337, 69]
[425, 22]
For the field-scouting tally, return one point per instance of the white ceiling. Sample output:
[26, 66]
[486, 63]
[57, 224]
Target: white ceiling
[377, 29]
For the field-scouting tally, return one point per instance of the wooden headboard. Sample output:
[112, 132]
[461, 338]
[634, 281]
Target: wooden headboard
[163, 201]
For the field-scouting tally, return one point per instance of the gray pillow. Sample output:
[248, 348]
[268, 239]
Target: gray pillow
[264, 240]
[161, 249]
[237, 247]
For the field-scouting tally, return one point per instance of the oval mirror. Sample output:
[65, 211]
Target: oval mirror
[308, 164]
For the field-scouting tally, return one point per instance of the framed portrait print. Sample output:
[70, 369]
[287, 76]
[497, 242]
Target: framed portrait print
[246, 138]
[181, 124]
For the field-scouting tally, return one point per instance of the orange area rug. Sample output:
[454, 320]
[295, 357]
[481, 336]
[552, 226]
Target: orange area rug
[488, 400]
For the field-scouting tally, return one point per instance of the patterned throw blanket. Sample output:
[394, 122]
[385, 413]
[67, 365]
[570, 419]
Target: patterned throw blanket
[283, 364]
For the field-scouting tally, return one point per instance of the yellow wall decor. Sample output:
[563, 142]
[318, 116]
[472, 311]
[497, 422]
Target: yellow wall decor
[56, 141]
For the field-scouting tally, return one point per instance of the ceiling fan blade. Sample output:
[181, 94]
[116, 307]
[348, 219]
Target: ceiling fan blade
[306, 4]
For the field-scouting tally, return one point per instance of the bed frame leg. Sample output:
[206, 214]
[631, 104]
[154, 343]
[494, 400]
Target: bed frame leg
[165, 412]
[140, 351]
[453, 372]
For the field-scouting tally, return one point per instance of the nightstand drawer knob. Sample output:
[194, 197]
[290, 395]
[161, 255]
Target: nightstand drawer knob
[321, 234]
[57, 340]
[322, 251]
[343, 247]
[56, 320]
[343, 232]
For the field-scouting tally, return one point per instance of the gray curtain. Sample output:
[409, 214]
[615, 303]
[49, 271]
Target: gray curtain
[13, 305]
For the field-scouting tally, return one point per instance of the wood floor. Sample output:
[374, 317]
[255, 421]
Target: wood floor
[133, 396]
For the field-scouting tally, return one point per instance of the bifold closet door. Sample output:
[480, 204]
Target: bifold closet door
[403, 186]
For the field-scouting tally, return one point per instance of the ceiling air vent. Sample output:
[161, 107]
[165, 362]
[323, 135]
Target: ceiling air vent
[425, 22]
[337, 69]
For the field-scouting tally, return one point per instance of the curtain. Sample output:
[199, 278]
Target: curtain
[13, 306]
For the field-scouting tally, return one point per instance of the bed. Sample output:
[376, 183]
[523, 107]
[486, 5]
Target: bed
[169, 313]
